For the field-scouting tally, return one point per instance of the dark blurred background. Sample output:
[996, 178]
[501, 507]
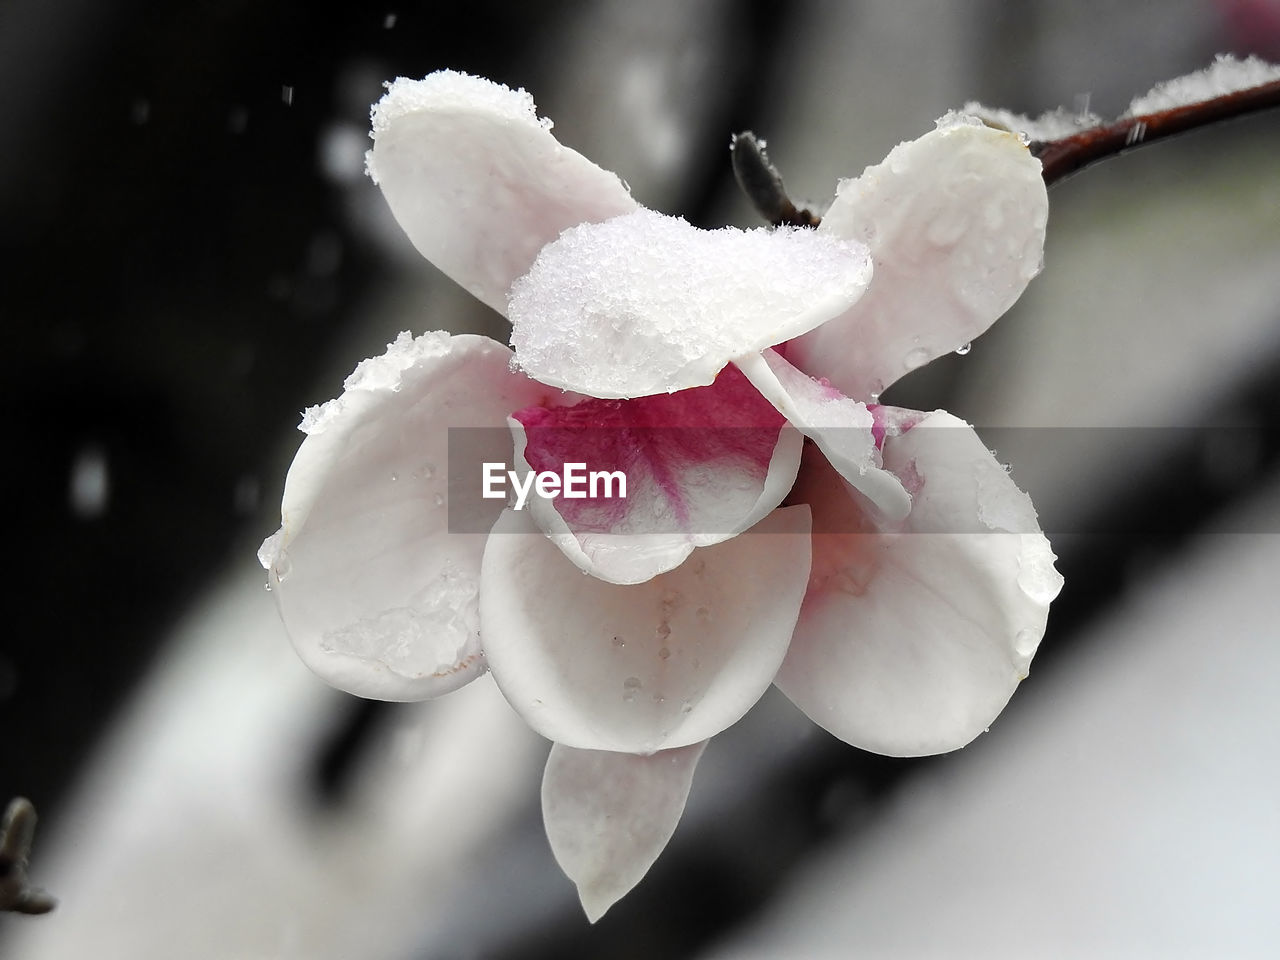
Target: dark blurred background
[191, 256]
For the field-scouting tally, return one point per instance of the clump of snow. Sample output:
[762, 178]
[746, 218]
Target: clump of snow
[1225, 75]
[378, 373]
[645, 304]
[270, 549]
[1037, 576]
[960, 118]
[1001, 505]
[384, 372]
[426, 637]
[448, 91]
[1051, 125]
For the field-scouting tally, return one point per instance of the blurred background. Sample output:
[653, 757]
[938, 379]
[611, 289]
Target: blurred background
[192, 255]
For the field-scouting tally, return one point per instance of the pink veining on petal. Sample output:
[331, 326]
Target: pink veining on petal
[878, 423]
[667, 445]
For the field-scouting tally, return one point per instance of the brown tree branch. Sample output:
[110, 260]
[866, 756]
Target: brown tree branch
[1061, 158]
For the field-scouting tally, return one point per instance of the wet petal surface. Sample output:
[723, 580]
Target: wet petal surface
[647, 667]
[955, 221]
[911, 643]
[378, 597]
[608, 815]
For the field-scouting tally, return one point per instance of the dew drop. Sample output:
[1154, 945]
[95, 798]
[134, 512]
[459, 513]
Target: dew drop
[659, 699]
[630, 687]
[916, 358]
[619, 643]
[875, 397]
[395, 477]
[438, 500]
[268, 586]
[663, 653]
[964, 348]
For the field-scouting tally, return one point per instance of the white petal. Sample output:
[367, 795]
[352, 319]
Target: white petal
[608, 815]
[478, 182]
[646, 667]
[955, 222]
[912, 643]
[701, 466]
[647, 304]
[378, 596]
[841, 427]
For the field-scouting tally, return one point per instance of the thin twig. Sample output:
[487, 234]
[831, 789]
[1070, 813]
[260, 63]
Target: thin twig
[1061, 158]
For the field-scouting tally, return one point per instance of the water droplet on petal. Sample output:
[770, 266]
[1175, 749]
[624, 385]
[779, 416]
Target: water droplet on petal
[663, 653]
[964, 348]
[915, 358]
[268, 585]
[395, 477]
[619, 642]
[438, 499]
[629, 688]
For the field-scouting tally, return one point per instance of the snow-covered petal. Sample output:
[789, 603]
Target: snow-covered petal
[911, 643]
[701, 466]
[478, 182]
[646, 667]
[955, 221]
[646, 304]
[608, 815]
[378, 597]
[842, 428]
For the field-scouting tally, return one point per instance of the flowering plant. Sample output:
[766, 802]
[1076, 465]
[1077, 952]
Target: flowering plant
[781, 525]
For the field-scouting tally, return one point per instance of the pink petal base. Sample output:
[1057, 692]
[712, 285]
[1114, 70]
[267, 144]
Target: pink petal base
[701, 466]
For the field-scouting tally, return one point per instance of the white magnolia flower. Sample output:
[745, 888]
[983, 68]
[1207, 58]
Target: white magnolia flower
[887, 575]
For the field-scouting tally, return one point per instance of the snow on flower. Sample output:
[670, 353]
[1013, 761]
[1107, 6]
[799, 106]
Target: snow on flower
[782, 526]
